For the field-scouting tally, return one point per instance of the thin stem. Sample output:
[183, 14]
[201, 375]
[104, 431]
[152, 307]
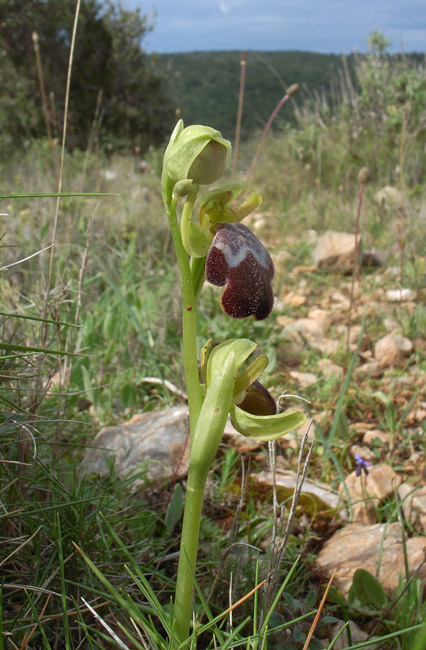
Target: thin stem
[239, 113]
[355, 269]
[265, 132]
[189, 324]
[188, 554]
[44, 104]
[61, 170]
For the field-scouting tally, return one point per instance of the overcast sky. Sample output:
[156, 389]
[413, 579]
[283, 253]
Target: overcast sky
[317, 25]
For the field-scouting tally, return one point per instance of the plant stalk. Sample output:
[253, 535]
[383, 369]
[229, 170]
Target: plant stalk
[188, 554]
[189, 324]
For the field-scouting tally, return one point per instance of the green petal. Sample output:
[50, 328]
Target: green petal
[265, 427]
[248, 376]
[242, 349]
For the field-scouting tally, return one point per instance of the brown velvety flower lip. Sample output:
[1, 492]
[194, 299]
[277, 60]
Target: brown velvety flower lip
[258, 400]
[237, 258]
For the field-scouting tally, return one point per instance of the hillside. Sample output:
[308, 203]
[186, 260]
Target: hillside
[205, 85]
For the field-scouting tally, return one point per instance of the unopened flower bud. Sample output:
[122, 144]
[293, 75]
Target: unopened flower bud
[182, 188]
[363, 175]
[293, 90]
[196, 152]
[209, 165]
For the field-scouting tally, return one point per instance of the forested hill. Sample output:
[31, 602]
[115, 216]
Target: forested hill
[205, 85]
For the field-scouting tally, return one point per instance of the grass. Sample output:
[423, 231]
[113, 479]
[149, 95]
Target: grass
[87, 563]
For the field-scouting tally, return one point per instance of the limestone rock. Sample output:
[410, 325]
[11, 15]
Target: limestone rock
[154, 445]
[389, 197]
[316, 498]
[357, 635]
[374, 435]
[392, 349]
[330, 369]
[371, 369]
[305, 379]
[414, 505]
[357, 546]
[400, 295]
[335, 251]
[368, 491]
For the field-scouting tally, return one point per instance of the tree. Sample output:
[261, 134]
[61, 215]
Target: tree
[111, 77]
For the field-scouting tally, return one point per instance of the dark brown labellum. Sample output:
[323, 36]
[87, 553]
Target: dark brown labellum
[237, 258]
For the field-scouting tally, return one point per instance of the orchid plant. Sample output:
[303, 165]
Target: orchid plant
[214, 245]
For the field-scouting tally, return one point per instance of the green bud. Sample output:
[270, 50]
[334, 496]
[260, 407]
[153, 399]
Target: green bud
[182, 188]
[196, 152]
[209, 165]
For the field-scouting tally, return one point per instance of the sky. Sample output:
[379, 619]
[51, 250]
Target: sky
[338, 26]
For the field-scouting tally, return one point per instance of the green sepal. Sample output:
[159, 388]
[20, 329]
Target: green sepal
[252, 202]
[214, 206]
[194, 240]
[167, 183]
[212, 419]
[265, 427]
[241, 348]
[248, 376]
[224, 194]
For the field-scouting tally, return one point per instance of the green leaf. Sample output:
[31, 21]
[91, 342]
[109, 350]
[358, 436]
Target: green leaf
[212, 418]
[28, 348]
[174, 511]
[265, 427]
[35, 195]
[367, 589]
[128, 395]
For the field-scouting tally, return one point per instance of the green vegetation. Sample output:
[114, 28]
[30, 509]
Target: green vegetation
[106, 294]
[117, 94]
[204, 85]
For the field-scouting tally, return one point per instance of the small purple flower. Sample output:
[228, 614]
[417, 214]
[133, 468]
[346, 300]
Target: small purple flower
[237, 258]
[361, 465]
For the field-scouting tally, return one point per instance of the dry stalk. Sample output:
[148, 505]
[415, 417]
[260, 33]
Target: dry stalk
[363, 178]
[64, 136]
[293, 90]
[232, 534]
[240, 112]
[45, 108]
[279, 543]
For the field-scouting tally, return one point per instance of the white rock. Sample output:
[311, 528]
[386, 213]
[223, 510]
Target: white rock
[335, 251]
[391, 349]
[154, 445]
[368, 547]
[400, 295]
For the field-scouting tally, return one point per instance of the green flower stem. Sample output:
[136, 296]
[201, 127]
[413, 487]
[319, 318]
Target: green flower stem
[188, 555]
[189, 317]
[207, 437]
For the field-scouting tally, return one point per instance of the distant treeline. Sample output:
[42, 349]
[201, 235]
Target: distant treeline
[124, 99]
[205, 85]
